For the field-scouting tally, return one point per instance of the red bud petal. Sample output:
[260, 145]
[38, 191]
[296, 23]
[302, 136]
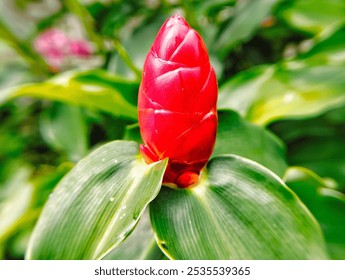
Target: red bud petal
[177, 103]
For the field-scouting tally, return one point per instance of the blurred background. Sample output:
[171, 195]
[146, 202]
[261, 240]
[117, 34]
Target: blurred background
[70, 71]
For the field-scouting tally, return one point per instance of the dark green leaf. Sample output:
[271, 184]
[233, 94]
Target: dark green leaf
[236, 136]
[317, 144]
[132, 133]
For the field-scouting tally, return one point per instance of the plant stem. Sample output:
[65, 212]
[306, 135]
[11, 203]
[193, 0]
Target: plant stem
[126, 58]
[87, 20]
[35, 62]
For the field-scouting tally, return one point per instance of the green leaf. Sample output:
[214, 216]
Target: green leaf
[64, 128]
[240, 210]
[97, 204]
[317, 144]
[95, 89]
[240, 92]
[239, 137]
[314, 16]
[329, 50]
[132, 133]
[293, 90]
[327, 205]
[246, 20]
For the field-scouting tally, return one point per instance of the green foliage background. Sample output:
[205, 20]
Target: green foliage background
[281, 74]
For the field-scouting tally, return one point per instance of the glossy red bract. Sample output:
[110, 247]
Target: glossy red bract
[177, 103]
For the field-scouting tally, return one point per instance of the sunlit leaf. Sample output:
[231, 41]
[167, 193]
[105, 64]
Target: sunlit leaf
[327, 205]
[95, 89]
[329, 50]
[240, 210]
[97, 205]
[292, 91]
[314, 16]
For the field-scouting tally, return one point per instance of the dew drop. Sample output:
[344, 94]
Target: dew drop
[103, 159]
[112, 199]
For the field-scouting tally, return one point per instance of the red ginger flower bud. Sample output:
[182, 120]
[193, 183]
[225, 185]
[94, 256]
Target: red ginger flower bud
[177, 103]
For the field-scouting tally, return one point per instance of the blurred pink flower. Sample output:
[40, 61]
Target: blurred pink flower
[53, 46]
[80, 48]
[56, 47]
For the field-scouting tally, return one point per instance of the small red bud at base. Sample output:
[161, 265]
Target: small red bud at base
[177, 103]
[187, 179]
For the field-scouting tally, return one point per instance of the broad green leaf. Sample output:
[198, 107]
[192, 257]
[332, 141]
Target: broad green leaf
[95, 89]
[239, 137]
[140, 245]
[327, 205]
[246, 20]
[64, 128]
[285, 91]
[97, 204]
[314, 16]
[239, 210]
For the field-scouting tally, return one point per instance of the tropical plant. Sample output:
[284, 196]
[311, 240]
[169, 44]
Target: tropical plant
[80, 178]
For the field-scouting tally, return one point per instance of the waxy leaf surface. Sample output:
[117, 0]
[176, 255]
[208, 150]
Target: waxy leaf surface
[240, 210]
[97, 205]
